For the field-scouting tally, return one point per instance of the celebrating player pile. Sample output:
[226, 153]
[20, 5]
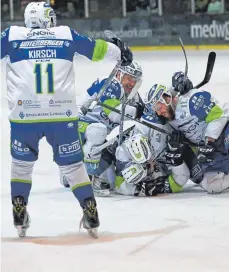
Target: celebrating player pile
[41, 95]
[197, 121]
[196, 147]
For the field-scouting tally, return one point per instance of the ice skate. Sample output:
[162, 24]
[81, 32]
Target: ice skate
[100, 186]
[90, 219]
[20, 215]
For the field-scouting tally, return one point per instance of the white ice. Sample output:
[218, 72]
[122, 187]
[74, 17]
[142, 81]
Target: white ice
[188, 231]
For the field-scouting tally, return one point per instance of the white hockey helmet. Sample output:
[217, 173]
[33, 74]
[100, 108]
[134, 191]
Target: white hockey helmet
[39, 15]
[131, 84]
[156, 94]
[139, 148]
[133, 69]
[134, 173]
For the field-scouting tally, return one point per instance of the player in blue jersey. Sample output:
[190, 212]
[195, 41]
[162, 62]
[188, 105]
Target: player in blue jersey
[41, 95]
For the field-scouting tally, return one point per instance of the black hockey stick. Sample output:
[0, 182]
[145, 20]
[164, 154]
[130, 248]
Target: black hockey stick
[131, 118]
[186, 60]
[124, 102]
[209, 69]
[92, 102]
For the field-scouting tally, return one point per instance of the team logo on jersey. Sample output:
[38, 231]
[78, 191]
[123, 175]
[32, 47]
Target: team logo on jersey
[43, 33]
[58, 103]
[70, 125]
[67, 44]
[15, 45]
[24, 102]
[19, 148]
[197, 101]
[108, 121]
[66, 149]
[68, 113]
[21, 115]
[41, 43]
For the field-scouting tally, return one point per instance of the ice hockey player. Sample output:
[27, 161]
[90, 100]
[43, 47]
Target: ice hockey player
[148, 163]
[95, 125]
[201, 117]
[41, 94]
[127, 81]
[198, 117]
[140, 162]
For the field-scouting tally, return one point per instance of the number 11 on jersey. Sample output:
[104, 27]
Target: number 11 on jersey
[38, 81]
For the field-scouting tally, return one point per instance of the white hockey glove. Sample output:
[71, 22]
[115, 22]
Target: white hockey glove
[84, 107]
[134, 173]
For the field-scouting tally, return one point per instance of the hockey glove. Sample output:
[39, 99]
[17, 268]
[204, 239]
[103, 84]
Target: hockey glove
[206, 152]
[126, 54]
[175, 149]
[153, 188]
[179, 84]
[139, 109]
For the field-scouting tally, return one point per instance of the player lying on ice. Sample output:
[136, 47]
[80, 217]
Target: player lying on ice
[96, 124]
[204, 122]
[40, 71]
[195, 117]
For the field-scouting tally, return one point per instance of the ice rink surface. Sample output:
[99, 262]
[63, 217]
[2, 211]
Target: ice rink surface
[188, 231]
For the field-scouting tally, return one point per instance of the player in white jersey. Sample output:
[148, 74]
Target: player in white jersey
[140, 165]
[209, 167]
[41, 95]
[199, 118]
[126, 80]
[94, 125]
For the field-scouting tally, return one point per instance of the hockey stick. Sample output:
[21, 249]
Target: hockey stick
[209, 69]
[186, 60]
[137, 120]
[111, 35]
[124, 102]
[110, 141]
[92, 102]
[121, 131]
